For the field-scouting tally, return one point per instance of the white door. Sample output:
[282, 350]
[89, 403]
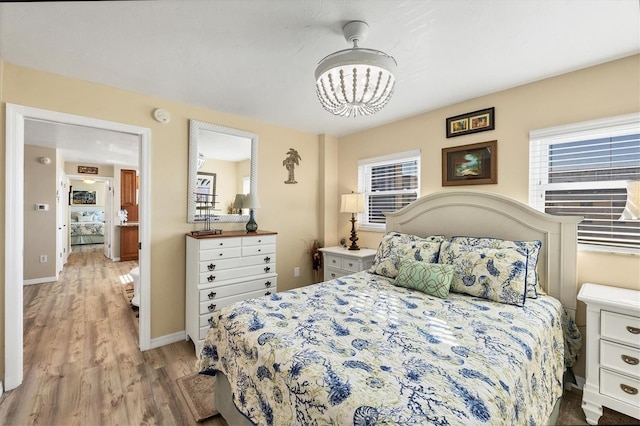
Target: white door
[108, 218]
[62, 218]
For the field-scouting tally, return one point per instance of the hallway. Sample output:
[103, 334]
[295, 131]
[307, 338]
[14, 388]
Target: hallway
[82, 362]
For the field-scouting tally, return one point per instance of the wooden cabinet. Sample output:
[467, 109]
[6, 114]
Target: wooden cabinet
[128, 242]
[128, 193]
[223, 269]
[613, 351]
[339, 261]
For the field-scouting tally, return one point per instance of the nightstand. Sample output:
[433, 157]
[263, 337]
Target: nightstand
[339, 261]
[613, 351]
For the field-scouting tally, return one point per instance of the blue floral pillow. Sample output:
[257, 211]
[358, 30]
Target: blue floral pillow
[497, 274]
[530, 248]
[396, 245]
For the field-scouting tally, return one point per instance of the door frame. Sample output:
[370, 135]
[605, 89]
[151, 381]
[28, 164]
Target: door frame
[14, 227]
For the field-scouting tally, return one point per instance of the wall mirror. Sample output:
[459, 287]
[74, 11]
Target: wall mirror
[228, 157]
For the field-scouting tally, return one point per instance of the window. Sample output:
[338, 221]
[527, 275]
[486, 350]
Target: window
[388, 184]
[585, 169]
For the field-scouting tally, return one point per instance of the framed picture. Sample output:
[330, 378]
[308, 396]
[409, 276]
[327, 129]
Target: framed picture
[83, 197]
[88, 170]
[474, 164]
[205, 187]
[472, 122]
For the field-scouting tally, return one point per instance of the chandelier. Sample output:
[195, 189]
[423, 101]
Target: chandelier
[355, 81]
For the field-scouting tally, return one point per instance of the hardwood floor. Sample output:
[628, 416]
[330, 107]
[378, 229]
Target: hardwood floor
[82, 363]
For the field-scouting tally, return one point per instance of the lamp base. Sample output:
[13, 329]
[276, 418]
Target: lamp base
[252, 226]
[354, 236]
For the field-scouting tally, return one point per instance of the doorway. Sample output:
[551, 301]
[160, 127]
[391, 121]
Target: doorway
[14, 226]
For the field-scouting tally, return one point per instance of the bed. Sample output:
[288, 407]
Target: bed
[377, 347]
[86, 227]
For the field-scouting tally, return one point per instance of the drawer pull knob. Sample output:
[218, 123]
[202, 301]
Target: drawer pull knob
[267, 293]
[210, 278]
[211, 266]
[259, 241]
[629, 359]
[211, 307]
[629, 389]
[267, 284]
[351, 265]
[333, 275]
[267, 259]
[334, 261]
[212, 295]
[633, 330]
[267, 268]
[221, 244]
[210, 321]
[220, 254]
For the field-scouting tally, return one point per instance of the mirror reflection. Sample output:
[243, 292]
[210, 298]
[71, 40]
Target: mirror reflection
[222, 168]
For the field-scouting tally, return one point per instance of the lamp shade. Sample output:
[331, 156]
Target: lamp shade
[352, 203]
[238, 202]
[251, 201]
[632, 208]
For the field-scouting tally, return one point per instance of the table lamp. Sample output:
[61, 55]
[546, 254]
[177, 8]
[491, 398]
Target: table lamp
[251, 202]
[352, 203]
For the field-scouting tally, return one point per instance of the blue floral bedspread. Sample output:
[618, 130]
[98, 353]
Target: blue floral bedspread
[358, 350]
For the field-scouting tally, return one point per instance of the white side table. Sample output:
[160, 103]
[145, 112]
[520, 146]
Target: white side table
[339, 261]
[613, 351]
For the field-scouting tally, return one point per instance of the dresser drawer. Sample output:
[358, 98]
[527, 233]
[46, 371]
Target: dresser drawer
[215, 293]
[352, 265]
[257, 241]
[213, 277]
[620, 387]
[621, 328]
[623, 359]
[220, 253]
[331, 273]
[211, 306]
[218, 243]
[207, 320]
[260, 249]
[236, 262]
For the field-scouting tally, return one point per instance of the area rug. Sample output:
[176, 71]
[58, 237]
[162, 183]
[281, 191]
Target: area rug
[199, 392]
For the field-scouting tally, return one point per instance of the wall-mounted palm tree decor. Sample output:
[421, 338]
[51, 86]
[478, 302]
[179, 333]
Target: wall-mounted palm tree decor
[293, 159]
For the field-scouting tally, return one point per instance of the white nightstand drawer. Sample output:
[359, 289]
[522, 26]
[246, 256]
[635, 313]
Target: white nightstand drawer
[619, 327]
[236, 262]
[215, 293]
[211, 306]
[333, 261]
[256, 241]
[261, 249]
[218, 243]
[623, 359]
[206, 320]
[622, 388]
[331, 273]
[220, 253]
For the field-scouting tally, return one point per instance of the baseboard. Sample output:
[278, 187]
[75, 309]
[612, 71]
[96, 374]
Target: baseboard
[167, 340]
[40, 280]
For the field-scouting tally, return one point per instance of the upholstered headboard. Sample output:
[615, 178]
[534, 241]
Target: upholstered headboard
[485, 214]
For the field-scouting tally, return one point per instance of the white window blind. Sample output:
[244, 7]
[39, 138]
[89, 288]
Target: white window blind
[584, 169]
[388, 184]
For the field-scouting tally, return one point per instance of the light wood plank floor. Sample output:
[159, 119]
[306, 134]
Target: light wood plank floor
[82, 363]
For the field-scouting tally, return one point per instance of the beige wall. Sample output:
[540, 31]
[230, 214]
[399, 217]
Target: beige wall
[39, 226]
[290, 210]
[597, 92]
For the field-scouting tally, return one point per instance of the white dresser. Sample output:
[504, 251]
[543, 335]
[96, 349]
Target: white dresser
[613, 351]
[223, 269]
[339, 261]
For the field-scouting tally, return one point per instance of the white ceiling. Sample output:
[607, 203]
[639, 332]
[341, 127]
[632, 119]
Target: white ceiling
[256, 58]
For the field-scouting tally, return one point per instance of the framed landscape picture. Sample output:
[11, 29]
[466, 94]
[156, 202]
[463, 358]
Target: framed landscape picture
[83, 197]
[474, 164]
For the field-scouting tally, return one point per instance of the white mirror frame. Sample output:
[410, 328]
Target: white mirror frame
[194, 135]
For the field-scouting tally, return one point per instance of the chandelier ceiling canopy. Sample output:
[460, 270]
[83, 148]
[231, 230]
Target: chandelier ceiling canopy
[356, 81]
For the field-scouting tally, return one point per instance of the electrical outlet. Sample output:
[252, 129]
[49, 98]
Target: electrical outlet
[296, 271]
[43, 258]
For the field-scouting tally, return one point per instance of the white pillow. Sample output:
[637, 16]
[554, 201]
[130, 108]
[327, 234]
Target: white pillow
[85, 218]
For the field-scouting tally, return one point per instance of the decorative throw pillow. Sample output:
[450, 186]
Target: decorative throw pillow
[489, 273]
[85, 218]
[530, 247]
[396, 245]
[433, 279]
